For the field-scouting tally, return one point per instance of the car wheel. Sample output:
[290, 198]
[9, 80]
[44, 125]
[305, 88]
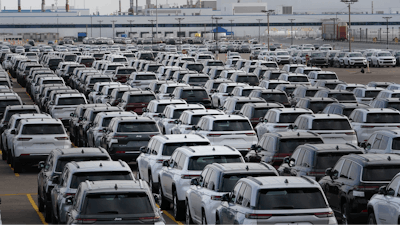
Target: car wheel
[177, 210]
[17, 166]
[3, 156]
[9, 158]
[162, 202]
[203, 218]
[54, 219]
[40, 203]
[217, 221]
[345, 214]
[48, 212]
[188, 216]
[371, 218]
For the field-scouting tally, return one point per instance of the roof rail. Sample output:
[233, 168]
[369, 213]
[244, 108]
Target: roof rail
[201, 136]
[255, 180]
[76, 164]
[121, 162]
[307, 179]
[310, 132]
[101, 149]
[353, 145]
[360, 157]
[60, 150]
[232, 148]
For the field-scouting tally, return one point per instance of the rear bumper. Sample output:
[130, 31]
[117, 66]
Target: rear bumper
[124, 153]
[31, 159]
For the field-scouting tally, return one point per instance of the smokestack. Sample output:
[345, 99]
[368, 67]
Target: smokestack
[120, 7]
[19, 5]
[67, 6]
[43, 4]
[131, 8]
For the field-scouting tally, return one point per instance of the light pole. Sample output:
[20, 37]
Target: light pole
[387, 18]
[156, 19]
[113, 21]
[179, 34]
[259, 30]
[268, 13]
[231, 29]
[91, 26]
[216, 29]
[152, 33]
[100, 21]
[334, 28]
[291, 30]
[349, 2]
[130, 26]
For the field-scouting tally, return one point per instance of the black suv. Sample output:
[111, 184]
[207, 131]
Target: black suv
[313, 159]
[354, 180]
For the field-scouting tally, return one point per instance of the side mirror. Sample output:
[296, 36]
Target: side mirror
[290, 126]
[225, 198]
[69, 200]
[286, 160]
[144, 110]
[253, 147]
[363, 145]
[105, 130]
[382, 190]
[194, 128]
[56, 179]
[176, 121]
[72, 114]
[166, 163]
[41, 165]
[194, 181]
[156, 197]
[292, 162]
[328, 172]
[143, 149]
[12, 131]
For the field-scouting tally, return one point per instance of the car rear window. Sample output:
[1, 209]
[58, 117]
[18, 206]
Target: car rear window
[380, 173]
[342, 96]
[196, 67]
[169, 148]
[327, 77]
[297, 79]
[71, 101]
[231, 125]
[70, 58]
[125, 71]
[153, 68]
[141, 98]
[13, 112]
[194, 94]
[198, 79]
[63, 161]
[275, 97]
[383, 118]
[119, 60]
[131, 203]
[371, 94]
[77, 178]
[252, 80]
[39, 129]
[126, 127]
[348, 111]
[229, 180]
[52, 82]
[274, 76]
[287, 146]
[311, 93]
[394, 105]
[269, 65]
[199, 162]
[290, 198]
[205, 57]
[289, 117]
[146, 77]
[396, 144]
[319, 106]
[326, 160]
[331, 86]
[95, 80]
[331, 124]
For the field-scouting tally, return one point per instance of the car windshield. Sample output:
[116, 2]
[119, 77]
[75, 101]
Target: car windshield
[95, 80]
[215, 63]
[371, 94]
[153, 68]
[383, 118]
[146, 77]
[327, 76]
[125, 71]
[70, 58]
[297, 79]
[134, 127]
[141, 98]
[63, 161]
[229, 180]
[40, 129]
[394, 105]
[119, 60]
[71, 101]
[319, 54]
[319, 106]
[169, 148]
[380, 173]
[231, 125]
[78, 178]
[134, 204]
[342, 96]
[290, 198]
[328, 159]
[331, 124]
[287, 146]
[194, 94]
[384, 54]
[52, 82]
[274, 76]
[275, 97]
[22, 111]
[269, 65]
[199, 162]
[289, 117]
[355, 55]
[86, 61]
[252, 80]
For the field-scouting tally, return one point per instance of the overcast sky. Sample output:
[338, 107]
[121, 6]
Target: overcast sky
[110, 6]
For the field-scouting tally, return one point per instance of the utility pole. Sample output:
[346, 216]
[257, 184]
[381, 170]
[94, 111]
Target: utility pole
[349, 2]
[232, 36]
[387, 18]
[100, 21]
[113, 21]
[179, 34]
[268, 13]
[152, 33]
[216, 29]
[130, 26]
[259, 30]
[291, 30]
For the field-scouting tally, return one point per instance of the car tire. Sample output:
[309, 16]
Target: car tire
[40, 203]
[162, 202]
[17, 166]
[345, 214]
[3, 156]
[54, 218]
[177, 209]
[48, 212]
[203, 218]
[9, 158]
[188, 216]
[371, 218]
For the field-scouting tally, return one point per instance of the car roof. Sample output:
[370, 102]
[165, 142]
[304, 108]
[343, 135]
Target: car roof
[291, 134]
[371, 159]
[101, 165]
[333, 147]
[15, 107]
[67, 152]
[209, 150]
[186, 106]
[40, 121]
[378, 110]
[274, 182]
[114, 186]
[179, 138]
[243, 167]
[205, 112]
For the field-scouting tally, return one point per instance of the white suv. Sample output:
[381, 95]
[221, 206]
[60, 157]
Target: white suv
[172, 113]
[156, 107]
[190, 118]
[187, 163]
[275, 200]
[233, 130]
[333, 128]
[35, 139]
[383, 58]
[159, 149]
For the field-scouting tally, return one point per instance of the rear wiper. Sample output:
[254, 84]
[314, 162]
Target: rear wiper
[108, 212]
[284, 207]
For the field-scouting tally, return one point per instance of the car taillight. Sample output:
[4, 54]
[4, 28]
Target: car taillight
[280, 126]
[350, 133]
[257, 216]
[250, 134]
[24, 139]
[155, 115]
[324, 214]
[365, 188]
[149, 218]
[367, 126]
[101, 130]
[120, 136]
[216, 197]
[214, 135]
[160, 161]
[173, 121]
[189, 176]
[69, 194]
[120, 152]
[188, 128]
[315, 173]
[86, 220]
[61, 138]
[25, 154]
